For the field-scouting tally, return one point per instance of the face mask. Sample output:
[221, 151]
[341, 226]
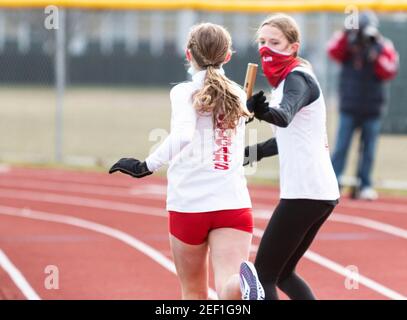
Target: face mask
[276, 65]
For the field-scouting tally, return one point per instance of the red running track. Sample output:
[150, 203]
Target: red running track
[107, 235]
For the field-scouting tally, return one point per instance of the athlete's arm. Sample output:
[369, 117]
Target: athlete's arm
[259, 151]
[299, 90]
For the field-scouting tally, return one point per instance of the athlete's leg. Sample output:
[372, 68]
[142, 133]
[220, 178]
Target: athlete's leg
[284, 234]
[289, 281]
[191, 263]
[228, 249]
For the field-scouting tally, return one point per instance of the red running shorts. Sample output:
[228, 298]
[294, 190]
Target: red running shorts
[193, 228]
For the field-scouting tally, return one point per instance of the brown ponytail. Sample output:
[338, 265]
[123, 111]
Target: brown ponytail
[209, 45]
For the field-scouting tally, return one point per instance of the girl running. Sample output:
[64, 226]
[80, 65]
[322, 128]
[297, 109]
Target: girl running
[308, 186]
[207, 197]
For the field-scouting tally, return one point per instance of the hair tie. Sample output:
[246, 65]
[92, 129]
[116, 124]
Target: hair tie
[214, 65]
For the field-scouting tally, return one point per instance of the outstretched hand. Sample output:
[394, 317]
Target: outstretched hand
[132, 167]
[257, 104]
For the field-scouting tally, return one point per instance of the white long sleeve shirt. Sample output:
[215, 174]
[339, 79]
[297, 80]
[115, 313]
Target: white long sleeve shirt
[205, 165]
[305, 166]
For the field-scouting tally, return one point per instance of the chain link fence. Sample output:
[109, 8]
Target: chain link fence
[97, 87]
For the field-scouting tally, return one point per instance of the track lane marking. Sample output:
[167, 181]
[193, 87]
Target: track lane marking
[100, 228]
[347, 273]
[17, 277]
[349, 219]
[150, 210]
[259, 194]
[331, 265]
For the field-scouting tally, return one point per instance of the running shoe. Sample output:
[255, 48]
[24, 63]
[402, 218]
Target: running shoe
[250, 285]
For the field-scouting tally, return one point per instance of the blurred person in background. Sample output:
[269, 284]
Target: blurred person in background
[368, 60]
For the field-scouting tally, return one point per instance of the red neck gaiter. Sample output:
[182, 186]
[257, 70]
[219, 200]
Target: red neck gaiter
[276, 66]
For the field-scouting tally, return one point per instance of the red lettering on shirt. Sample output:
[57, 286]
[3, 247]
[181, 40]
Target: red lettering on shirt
[221, 166]
[221, 157]
[224, 150]
[224, 141]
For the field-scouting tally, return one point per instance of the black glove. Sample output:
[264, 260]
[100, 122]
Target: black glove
[132, 167]
[252, 154]
[259, 151]
[257, 104]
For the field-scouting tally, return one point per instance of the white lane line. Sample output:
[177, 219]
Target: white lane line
[147, 191]
[375, 206]
[349, 219]
[100, 228]
[260, 195]
[265, 196]
[347, 273]
[140, 209]
[75, 177]
[80, 201]
[158, 192]
[17, 277]
[4, 168]
[154, 211]
[369, 223]
[150, 189]
[168, 264]
[131, 208]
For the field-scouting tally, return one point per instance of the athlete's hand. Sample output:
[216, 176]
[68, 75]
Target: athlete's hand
[257, 104]
[246, 159]
[132, 167]
[252, 154]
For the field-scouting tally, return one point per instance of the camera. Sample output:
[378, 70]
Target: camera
[367, 32]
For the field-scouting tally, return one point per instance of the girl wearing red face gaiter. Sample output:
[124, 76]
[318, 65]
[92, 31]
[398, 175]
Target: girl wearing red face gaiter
[308, 186]
[276, 65]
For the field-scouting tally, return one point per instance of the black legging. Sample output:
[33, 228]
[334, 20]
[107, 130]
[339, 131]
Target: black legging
[289, 233]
